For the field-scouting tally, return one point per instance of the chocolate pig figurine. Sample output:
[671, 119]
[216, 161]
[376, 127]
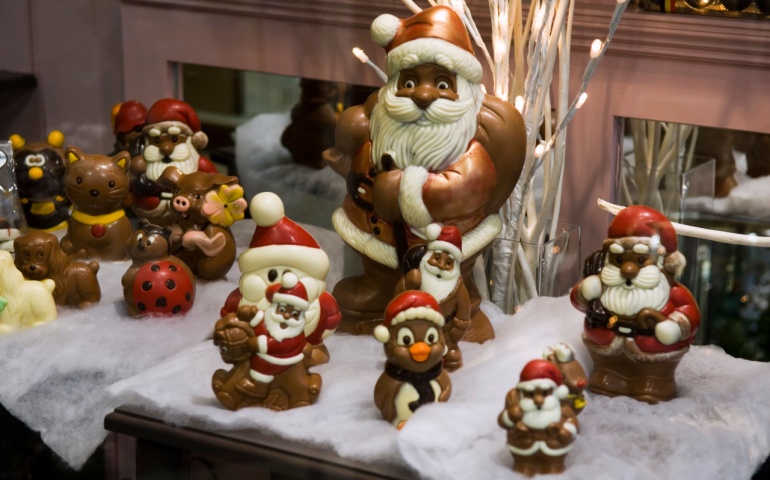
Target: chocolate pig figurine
[414, 347]
[38, 256]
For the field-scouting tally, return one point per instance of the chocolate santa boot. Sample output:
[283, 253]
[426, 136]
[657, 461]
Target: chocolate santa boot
[480, 329]
[256, 390]
[363, 299]
[607, 377]
[453, 359]
[656, 382]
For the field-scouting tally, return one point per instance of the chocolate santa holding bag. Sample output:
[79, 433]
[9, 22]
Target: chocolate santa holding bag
[277, 376]
[540, 427]
[639, 320]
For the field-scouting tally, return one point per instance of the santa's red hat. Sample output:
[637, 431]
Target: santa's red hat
[435, 35]
[542, 374]
[651, 228]
[409, 305]
[170, 112]
[446, 239]
[127, 116]
[290, 291]
[279, 241]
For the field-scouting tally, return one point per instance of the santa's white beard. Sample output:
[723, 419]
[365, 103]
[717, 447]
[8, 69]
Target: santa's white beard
[273, 321]
[442, 287]
[433, 138]
[184, 157]
[649, 289]
[549, 412]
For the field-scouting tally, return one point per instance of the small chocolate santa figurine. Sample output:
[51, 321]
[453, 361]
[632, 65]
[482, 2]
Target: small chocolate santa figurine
[127, 122]
[639, 321]
[270, 352]
[540, 428]
[414, 346]
[435, 268]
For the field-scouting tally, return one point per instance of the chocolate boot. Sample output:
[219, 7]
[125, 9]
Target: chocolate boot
[362, 299]
[453, 359]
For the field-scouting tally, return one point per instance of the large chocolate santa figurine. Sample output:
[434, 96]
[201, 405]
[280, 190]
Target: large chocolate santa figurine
[172, 137]
[272, 370]
[435, 268]
[279, 245]
[428, 147]
[414, 347]
[540, 428]
[639, 321]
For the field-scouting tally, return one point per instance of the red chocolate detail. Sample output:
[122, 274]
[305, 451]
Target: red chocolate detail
[163, 288]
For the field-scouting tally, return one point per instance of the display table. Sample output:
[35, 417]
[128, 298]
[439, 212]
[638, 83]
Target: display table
[717, 428]
[55, 375]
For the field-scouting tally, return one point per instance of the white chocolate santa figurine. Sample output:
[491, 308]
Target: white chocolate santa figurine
[639, 320]
[414, 347]
[278, 376]
[172, 137]
[540, 428]
[279, 245]
[435, 268]
[428, 147]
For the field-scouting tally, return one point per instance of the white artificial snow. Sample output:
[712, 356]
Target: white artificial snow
[54, 376]
[719, 427]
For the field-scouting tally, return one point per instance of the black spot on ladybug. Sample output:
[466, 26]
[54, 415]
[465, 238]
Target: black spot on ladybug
[188, 296]
[141, 306]
[155, 268]
[176, 309]
[160, 302]
[172, 268]
[170, 284]
[147, 286]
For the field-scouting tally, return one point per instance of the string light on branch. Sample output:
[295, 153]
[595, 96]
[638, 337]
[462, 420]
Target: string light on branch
[581, 100]
[519, 103]
[596, 48]
[539, 151]
[364, 58]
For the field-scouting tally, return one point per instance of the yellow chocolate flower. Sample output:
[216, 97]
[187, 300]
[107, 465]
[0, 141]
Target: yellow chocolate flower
[225, 206]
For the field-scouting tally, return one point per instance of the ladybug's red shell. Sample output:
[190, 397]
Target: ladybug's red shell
[163, 287]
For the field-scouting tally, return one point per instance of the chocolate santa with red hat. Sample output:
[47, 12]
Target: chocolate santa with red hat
[128, 120]
[414, 348]
[278, 376]
[280, 245]
[540, 429]
[428, 147]
[172, 137]
[639, 320]
[435, 268]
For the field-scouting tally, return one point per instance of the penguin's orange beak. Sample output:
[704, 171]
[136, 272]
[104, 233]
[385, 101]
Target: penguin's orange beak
[419, 352]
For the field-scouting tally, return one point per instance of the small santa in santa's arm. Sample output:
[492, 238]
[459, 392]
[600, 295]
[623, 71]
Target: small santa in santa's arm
[280, 245]
[639, 320]
[172, 136]
[541, 428]
[435, 268]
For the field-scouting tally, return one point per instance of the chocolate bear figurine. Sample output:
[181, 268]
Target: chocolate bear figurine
[269, 351]
[414, 347]
[156, 283]
[38, 256]
[23, 303]
[540, 428]
[97, 186]
[39, 168]
[639, 321]
[205, 206]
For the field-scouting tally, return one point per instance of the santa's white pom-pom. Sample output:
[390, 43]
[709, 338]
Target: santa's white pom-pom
[562, 392]
[668, 332]
[289, 280]
[675, 263]
[591, 287]
[381, 333]
[432, 231]
[200, 140]
[384, 29]
[266, 209]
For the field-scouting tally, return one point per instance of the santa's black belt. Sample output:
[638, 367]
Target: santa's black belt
[627, 329]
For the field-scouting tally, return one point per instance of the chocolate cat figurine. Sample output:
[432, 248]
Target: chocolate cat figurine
[97, 185]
